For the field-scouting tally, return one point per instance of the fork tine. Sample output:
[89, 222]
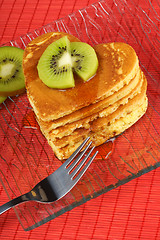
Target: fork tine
[74, 154]
[75, 171]
[85, 168]
[78, 158]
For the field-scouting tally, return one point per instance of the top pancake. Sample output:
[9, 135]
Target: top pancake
[118, 64]
[92, 108]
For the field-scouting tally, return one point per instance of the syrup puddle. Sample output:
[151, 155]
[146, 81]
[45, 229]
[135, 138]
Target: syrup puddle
[29, 121]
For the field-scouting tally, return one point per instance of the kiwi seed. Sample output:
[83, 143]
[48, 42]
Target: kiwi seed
[85, 62]
[11, 72]
[62, 58]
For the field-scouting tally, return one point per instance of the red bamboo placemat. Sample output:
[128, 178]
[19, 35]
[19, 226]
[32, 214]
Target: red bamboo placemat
[129, 212]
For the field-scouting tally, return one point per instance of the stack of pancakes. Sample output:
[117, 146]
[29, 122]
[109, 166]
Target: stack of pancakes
[106, 105]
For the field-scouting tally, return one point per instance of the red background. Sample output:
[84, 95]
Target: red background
[131, 211]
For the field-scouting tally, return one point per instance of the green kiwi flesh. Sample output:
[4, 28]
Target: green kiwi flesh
[62, 58]
[2, 99]
[55, 65]
[84, 60]
[11, 72]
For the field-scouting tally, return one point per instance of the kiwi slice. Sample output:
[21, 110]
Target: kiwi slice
[11, 72]
[55, 65]
[62, 58]
[84, 60]
[2, 99]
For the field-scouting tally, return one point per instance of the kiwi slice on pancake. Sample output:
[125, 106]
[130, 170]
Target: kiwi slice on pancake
[62, 58]
[11, 72]
[84, 60]
[55, 65]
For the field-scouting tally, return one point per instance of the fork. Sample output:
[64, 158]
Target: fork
[60, 182]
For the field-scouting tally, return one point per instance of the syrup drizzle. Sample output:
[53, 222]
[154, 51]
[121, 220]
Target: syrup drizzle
[105, 150]
[29, 121]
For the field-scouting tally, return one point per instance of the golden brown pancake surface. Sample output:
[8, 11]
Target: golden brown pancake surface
[100, 122]
[109, 108]
[100, 137]
[118, 64]
[104, 106]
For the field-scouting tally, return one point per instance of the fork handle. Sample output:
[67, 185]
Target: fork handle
[13, 203]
